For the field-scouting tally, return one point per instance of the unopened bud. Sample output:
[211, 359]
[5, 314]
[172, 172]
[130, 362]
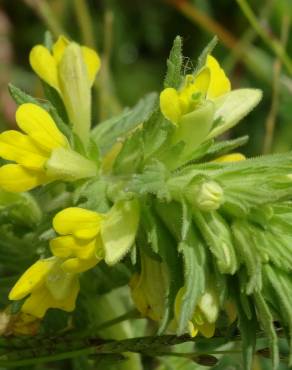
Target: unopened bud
[207, 196]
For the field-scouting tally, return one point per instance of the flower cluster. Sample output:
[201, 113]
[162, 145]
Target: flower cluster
[197, 226]
[53, 282]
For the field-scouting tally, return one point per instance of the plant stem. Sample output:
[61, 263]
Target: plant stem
[84, 21]
[43, 9]
[191, 12]
[271, 119]
[274, 44]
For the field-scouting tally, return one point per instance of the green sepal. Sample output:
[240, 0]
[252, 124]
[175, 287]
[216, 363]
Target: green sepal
[193, 129]
[119, 230]
[218, 237]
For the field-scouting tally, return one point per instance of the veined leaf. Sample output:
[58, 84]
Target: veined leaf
[108, 132]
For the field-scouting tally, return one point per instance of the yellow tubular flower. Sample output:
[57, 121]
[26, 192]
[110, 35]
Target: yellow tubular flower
[33, 149]
[204, 316]
[48, 286]
[80, 244]
[71, 70]
[46, 64]
[148, 289]
[210, 83]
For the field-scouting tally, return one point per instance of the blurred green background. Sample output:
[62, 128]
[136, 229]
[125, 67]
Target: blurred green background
[134, 39]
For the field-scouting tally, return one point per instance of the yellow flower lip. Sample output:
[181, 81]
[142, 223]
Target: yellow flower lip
[80, 222]
[80, 243]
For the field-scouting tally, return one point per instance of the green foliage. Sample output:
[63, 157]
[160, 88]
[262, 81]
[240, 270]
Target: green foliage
[173, 76]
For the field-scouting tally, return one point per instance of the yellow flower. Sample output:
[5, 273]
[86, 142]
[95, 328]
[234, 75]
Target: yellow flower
[71, 70]
[80, 244]
[46, 64]
[232, 157]
[42, 153]
[47, 285]
[148, 289]
[205, 314]
[210, 83]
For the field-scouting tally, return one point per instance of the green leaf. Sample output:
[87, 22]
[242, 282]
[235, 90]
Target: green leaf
[92, 195]
[20, 97]
[248, 255]
[266, 319]
[207, 50]
[151, 181]
[20, 208]
[130, 158]
[194, 258]
[247, 327]
[215, 150]
[156, 131]
[108, 132]
[164, 244]
[233, 107]
[119, 229]
[54, 98]
[173, 76]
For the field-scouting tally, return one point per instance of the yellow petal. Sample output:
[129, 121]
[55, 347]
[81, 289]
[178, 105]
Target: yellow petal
[59, 282]
[219, 83]
[59, 48]
[193, 85]
[15, 146]
[192, 329]
[69, 246]
[32, 279]
[92, 62]
[169, 105]
[39, 125]
[62, 246]
[15, 178]
[44, 65]
[207, 329]
[82, 223]
[233, 157]
[41, 300]
[202, 81]
[76, 265]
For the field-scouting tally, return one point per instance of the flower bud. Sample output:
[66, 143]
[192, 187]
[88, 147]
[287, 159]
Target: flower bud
[75, 90]
[207, 196]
